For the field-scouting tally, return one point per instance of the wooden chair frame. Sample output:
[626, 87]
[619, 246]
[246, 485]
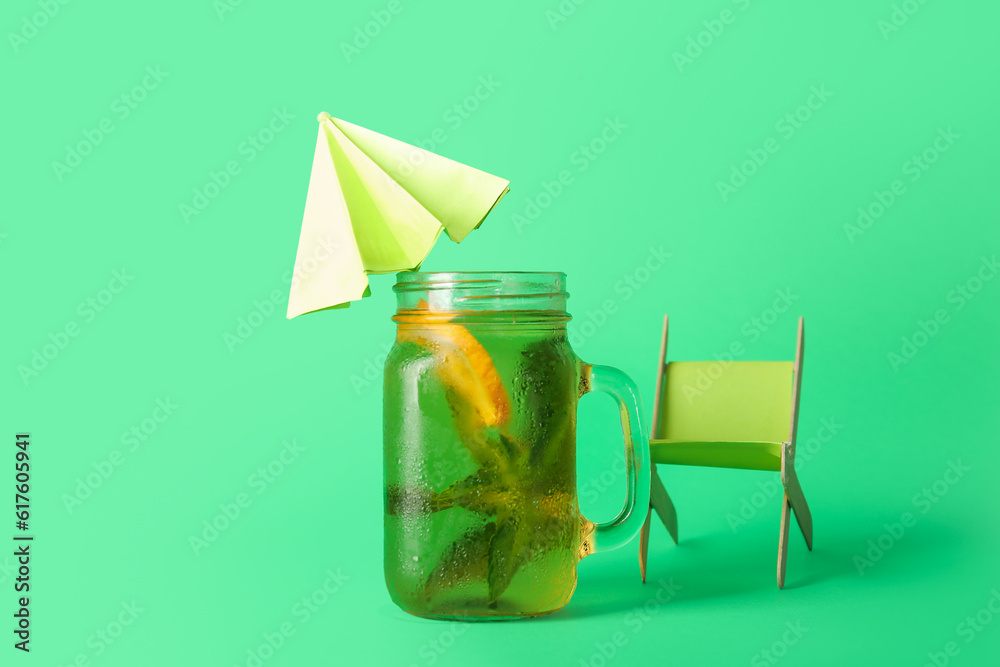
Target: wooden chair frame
[794, 499]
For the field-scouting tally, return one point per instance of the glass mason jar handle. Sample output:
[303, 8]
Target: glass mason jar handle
[620, 530]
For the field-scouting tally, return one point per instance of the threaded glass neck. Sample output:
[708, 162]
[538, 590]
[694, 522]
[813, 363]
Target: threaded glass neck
[481, 293]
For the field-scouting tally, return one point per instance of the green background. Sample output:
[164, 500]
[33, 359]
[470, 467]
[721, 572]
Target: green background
[557, 83]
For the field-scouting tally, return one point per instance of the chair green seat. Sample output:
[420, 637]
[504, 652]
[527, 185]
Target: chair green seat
[744, 455]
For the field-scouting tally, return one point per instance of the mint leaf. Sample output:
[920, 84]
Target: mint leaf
[463, 562]
[546, 391]
[403, 500]
[505, 555]
[472, 432]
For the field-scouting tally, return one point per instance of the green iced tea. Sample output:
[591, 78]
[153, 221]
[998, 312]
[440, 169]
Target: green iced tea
[481, 513]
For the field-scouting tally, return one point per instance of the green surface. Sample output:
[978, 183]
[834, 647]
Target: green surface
[154, 271]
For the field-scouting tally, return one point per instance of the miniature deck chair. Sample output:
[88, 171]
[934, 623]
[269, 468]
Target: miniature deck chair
[737, 414]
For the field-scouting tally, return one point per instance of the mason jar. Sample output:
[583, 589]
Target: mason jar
[481, 391]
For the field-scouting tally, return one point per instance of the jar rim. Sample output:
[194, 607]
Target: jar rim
[470, 291]
[410, 280]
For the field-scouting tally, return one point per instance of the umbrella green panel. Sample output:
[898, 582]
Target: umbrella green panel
[738, 414]
[378, 205]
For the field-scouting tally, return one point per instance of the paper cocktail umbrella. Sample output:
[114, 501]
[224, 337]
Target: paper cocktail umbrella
[377, 205]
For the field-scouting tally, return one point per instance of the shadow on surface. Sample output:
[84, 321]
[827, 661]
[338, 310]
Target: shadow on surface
[700, 568]
[884, 551]
[723, 566]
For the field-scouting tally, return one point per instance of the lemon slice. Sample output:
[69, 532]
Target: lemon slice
[462, 363]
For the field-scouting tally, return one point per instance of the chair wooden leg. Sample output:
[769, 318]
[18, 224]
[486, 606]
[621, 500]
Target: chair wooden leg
[794, 495]
[802, 514]
[644, 543]
[660, 500]
[786, 509]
